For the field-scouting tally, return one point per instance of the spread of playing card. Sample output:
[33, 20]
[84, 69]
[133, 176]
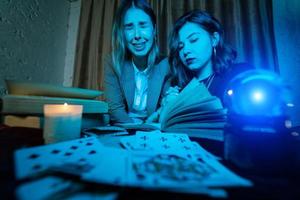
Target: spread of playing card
[151, 160]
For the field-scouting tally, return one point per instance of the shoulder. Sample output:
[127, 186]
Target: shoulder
[221, 81]
[163, 65]
[107, 62]
[236, 69]
[163, 61]
[109, 66]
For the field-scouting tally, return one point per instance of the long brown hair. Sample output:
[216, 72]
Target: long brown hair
[221, 60]
[119, 51]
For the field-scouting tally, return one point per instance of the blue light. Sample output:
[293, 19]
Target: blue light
[230, 92]
[258, 96]
[257, 93]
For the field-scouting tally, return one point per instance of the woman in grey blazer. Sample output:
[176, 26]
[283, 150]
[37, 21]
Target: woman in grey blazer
[135, 77]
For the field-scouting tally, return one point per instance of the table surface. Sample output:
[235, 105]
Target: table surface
[266, 186]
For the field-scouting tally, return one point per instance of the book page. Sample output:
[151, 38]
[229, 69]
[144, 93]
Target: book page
[198, 117]
[193, 107]
[208, 104]
[192, 93]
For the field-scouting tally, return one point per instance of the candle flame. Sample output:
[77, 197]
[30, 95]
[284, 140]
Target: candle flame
[65, 104]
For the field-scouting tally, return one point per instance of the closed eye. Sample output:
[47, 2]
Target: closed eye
[128, 26]
[143, 24]
[192, 40]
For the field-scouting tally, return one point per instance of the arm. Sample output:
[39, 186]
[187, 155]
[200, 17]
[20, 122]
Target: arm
[114, 94]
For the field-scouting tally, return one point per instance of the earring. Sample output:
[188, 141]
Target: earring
[215, 52]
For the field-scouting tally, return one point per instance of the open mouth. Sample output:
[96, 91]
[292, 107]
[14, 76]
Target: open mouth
[189, 61]
[139, 46]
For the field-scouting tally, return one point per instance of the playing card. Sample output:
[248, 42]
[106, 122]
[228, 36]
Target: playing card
[82, 153]
[161, 141]
[47, 188]
[112, 167]
[170, 171]
[128, 142]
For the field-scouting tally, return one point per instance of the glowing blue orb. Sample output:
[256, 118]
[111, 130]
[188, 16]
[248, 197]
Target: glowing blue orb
[258, 96]
[257, 93]
[230, 92]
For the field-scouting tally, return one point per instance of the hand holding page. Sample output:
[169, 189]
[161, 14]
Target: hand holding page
[193, 111]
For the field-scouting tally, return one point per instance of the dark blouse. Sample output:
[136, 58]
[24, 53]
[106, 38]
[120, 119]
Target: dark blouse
[220, 81]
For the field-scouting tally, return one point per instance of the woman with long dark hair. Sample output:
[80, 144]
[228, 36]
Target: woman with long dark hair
[197, 50]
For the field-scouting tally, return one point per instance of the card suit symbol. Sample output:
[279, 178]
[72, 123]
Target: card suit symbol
[36, 167]
[92, 152]
[187, 148]
[82, 160]
[163, 139]
[144, 145]
[189, 156]
[33, 156]
[68, 154]
[74, 147]
[141, 176]
[166, 146]
[55, 151]
[144, 137]
[182, 140]
[128, 143]
[200, 160]
[89, 144]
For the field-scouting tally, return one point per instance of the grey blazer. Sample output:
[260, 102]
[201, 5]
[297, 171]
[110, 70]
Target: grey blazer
[119, 90]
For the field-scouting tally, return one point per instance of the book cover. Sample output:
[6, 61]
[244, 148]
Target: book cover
[29, 88]
[21, 104]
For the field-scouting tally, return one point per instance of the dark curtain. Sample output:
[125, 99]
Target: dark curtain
[248, 28]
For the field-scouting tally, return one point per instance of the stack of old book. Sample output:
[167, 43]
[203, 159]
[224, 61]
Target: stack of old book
[23, 105]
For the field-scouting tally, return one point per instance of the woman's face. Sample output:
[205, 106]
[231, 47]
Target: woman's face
[139, 32]
[195, 46]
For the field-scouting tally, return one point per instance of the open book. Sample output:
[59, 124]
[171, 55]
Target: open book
[194, 112]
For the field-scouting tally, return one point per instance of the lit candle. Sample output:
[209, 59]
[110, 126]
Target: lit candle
[62, 122]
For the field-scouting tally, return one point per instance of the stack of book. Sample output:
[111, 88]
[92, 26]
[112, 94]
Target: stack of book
[23, 105]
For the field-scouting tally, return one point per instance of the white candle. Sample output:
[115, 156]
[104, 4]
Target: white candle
[62, 122]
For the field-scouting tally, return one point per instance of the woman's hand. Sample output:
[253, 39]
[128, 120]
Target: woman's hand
[154, 116]
[171, 94]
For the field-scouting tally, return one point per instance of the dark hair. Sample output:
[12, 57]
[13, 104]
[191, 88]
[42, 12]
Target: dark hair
[119, 51]
[221, 60]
